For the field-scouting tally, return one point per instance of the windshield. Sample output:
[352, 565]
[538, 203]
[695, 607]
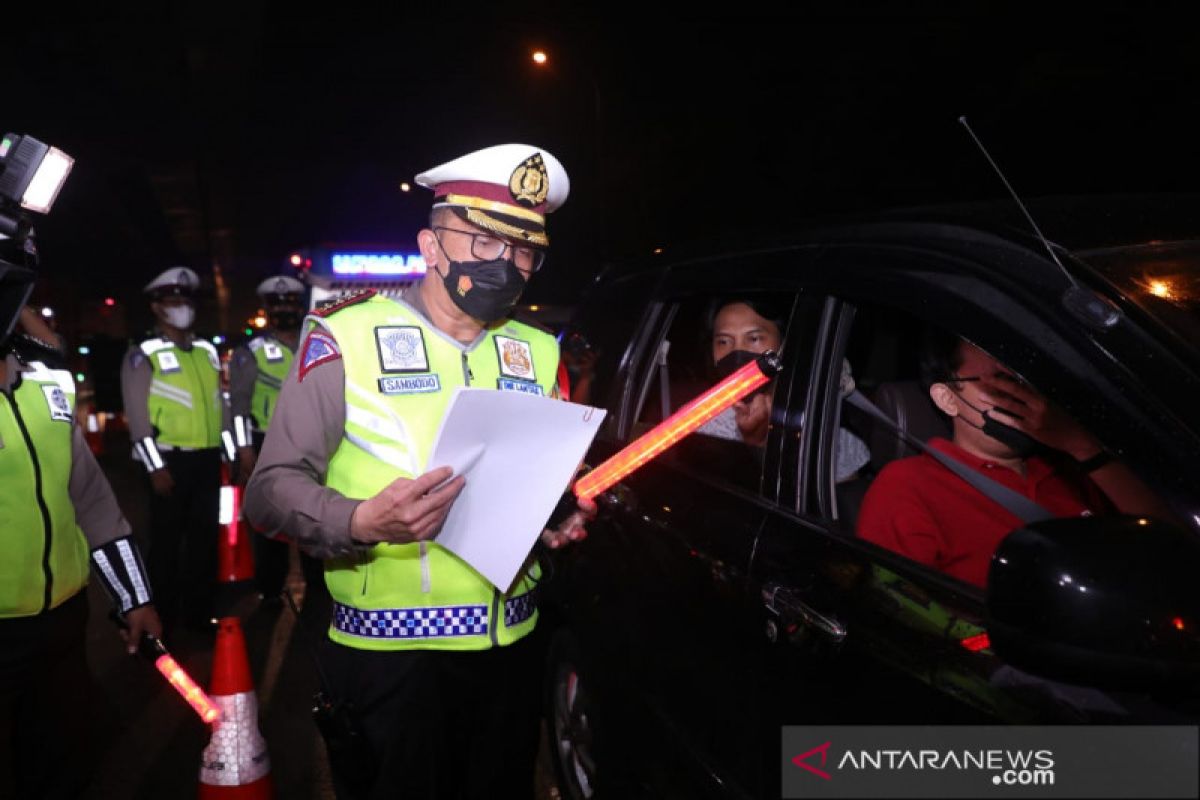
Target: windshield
[1162, 279]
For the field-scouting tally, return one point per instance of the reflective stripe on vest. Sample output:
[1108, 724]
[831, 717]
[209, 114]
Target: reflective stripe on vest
[400, 372]
[185, 393]
[274, 360]
[40, 541]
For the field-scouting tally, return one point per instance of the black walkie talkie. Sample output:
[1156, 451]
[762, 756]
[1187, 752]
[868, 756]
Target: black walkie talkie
[350, 755]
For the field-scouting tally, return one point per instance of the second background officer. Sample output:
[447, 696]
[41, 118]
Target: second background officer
[256, 374]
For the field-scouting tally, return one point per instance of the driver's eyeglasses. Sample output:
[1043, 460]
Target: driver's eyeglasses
[488, 247]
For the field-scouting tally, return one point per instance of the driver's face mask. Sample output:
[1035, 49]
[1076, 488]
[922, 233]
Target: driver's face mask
[734, 360]
[1020, 443]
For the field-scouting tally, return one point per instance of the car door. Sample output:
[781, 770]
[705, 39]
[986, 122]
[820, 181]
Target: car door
[675, 540]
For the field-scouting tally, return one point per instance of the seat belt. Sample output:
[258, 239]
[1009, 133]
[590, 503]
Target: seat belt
[1015, 503]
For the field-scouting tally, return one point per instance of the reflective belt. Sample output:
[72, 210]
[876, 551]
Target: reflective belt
[428, 622]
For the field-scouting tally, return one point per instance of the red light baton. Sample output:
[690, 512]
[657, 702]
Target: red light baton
[153, 649]
[684, 421]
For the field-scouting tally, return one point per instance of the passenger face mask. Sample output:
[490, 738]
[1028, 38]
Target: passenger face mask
[1020, 443]
[484, 290]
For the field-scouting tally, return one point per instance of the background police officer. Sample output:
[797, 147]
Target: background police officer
[56, 510]
[256, 374]
[171, 386]
[440, 664]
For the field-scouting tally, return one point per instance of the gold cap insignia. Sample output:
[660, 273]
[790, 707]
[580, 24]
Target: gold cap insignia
[529, 183]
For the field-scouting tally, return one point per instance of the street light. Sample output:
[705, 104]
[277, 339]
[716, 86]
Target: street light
[539, 57]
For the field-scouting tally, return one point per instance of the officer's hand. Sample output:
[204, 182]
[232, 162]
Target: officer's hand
[247, 458]
[407, 510]
[571, 530]
[162, 482]
[141, 620]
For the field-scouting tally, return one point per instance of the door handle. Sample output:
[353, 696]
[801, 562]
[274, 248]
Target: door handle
[786, 604]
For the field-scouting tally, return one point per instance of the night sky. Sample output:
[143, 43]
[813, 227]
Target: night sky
[236, 133]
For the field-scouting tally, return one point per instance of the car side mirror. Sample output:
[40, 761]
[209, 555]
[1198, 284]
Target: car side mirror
[1110, 602]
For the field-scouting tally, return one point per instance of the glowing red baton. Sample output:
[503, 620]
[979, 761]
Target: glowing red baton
[188, 689]
[680, 424]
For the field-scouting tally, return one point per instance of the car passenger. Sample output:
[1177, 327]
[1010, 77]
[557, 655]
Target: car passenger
[740, 329]
[1005, 430]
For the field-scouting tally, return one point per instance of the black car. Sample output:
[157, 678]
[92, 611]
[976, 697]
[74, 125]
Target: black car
[723, 592]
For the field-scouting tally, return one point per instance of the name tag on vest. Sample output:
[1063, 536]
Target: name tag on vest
[56, 399]
[410, 384]
[167, 362]
[510, 385]
[272, 351]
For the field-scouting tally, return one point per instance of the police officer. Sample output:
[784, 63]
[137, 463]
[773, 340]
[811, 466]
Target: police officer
[57, 512]
[171, 386]
[439, 664]
[256, 374]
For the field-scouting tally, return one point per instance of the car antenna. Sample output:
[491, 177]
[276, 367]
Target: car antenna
[1089, 307]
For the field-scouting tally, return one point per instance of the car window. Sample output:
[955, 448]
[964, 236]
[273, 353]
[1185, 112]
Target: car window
[913, 503]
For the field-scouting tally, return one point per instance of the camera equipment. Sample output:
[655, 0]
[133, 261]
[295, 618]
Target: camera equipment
[31, 174]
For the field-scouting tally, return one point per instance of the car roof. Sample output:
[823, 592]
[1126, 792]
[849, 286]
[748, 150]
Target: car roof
[1074, 223]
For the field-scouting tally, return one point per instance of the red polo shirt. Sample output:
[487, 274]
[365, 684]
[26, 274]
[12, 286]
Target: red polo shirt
[924, 511]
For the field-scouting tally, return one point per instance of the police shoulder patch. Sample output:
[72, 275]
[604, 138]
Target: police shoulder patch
[318, 348]
[338, 303]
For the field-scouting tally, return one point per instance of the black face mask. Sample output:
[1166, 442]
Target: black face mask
[489, 289]
[734, 360]
[1020, 443]
[286, 320]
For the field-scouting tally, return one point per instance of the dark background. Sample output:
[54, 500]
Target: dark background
[231, 134]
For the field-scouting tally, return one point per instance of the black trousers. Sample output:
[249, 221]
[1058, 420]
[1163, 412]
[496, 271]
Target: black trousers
[443, 724]
[45, 696]
[183, 538]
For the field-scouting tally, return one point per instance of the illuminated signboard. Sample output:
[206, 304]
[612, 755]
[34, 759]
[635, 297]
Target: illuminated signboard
[378, 264]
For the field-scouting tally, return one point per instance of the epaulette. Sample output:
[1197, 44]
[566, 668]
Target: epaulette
[338, 303]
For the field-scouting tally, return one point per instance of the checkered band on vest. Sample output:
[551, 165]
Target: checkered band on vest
[519, 609]
[411, 623]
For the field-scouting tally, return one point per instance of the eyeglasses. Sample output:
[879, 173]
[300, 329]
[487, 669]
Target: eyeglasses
[488, 247]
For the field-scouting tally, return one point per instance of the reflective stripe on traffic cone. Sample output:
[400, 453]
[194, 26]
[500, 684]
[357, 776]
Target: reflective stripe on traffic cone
[235, 551]
[235, 764]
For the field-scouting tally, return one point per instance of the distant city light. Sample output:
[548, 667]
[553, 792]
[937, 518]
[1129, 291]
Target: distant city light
[657, 250]
[84, 349]
[296, 259]
[534, 308]
[47, 311]
[249, 331]
[378, 264]
[218, 339]
[540, 57]
[1160, 288]
[79, 377]
[404, 186]
[260, 322]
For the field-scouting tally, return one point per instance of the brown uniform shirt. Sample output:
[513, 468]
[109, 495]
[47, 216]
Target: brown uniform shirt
[96, 509]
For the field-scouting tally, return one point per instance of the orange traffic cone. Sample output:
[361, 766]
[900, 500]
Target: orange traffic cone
[235, 765]
[235, 551]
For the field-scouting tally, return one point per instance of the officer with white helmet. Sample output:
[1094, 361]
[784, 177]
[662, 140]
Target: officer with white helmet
[437, 661]
[171, 384]
[256, 373]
